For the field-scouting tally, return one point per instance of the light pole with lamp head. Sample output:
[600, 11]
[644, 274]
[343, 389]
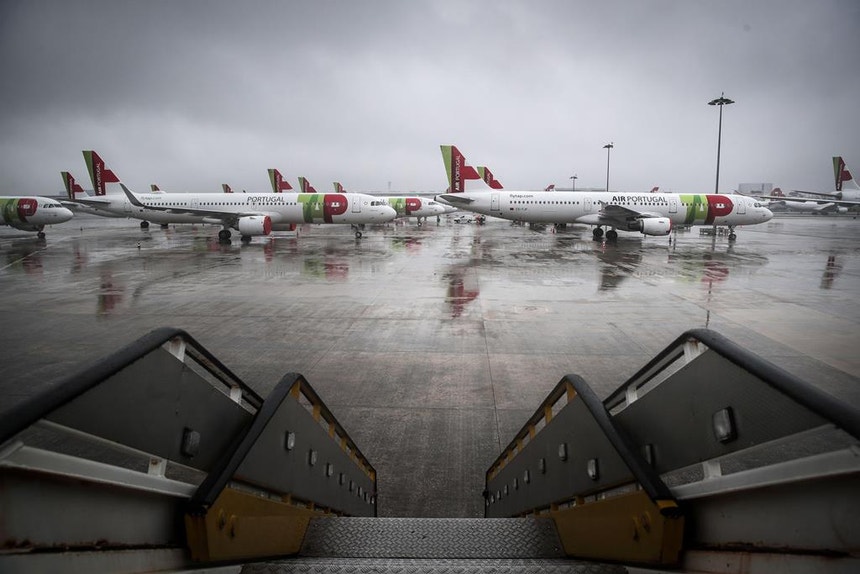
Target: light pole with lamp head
[573, 182]
[608, 147]
[721, 101]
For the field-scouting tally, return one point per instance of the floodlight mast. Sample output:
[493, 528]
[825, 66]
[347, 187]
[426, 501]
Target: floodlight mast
[721, 101]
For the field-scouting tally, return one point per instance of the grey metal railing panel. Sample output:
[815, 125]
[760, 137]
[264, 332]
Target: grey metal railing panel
[676, 418]
[538, 477]
[152, 404]
[296, 448]
[701, 400]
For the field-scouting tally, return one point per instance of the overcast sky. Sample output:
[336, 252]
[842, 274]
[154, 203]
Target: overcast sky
[191, 94]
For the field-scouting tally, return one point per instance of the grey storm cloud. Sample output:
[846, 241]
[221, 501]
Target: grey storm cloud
[195, 93]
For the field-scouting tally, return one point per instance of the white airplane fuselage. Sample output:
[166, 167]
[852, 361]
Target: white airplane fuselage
[625, 211]
[410, 206]
[283, 209]
[32, 213]
[812, 206]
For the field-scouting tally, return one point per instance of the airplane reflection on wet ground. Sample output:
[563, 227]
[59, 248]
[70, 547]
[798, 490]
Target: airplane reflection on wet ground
[451, 331]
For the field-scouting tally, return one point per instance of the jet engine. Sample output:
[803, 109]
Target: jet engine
[652, 225]
[255, 225]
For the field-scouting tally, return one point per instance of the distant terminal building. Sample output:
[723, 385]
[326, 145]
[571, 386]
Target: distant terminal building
[755, 188]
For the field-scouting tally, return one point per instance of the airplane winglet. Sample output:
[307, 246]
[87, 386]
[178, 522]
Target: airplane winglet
[131, 197]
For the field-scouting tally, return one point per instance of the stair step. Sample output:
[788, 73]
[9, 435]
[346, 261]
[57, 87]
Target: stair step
[441, 566]
[451, 538]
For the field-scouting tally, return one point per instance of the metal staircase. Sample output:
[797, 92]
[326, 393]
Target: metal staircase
[158, 458]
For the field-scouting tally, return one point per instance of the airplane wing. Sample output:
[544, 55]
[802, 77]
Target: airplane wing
[92, 202]
[822, 194]
[456, 199]
[227, 217]
[831, 200]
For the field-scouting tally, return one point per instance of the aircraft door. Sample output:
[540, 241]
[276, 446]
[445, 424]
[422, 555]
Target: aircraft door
[586, 204]
[742, 206]
[494, 202]
[356, 204]
[673, 205]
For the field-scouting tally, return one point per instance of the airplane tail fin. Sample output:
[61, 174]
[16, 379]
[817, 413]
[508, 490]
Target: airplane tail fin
[73, 188]
[550, 187]
[226, 188]
[305, 186]
[279, 184]
[488, 178]
[842, 175]
[777, 192]
[655, 189]
[103, 179]
[338, 188]
[458, 171]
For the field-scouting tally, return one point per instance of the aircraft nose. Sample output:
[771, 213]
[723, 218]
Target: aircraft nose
[768, 214]
[64, 214]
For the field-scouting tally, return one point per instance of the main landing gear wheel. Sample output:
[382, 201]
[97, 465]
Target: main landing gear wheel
[357, 234]
[597, 232]
[144, 225]
[246, 239]
[224, 235]
[611, 235]
[732, 236]
[41, 235]
[165, 225]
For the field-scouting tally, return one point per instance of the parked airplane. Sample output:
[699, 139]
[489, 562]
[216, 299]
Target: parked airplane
[647, 213]
[408, 206]
[846, 188]
[110, 201]
[261, 213]
[32, 213]
[74, 192]
[778, 198]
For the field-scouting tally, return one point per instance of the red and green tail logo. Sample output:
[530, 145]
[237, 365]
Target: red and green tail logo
[456, 168]
[305, 186]
[279, 184]
[99, 174]
[840, 172]
[488, 178]
[72, 187]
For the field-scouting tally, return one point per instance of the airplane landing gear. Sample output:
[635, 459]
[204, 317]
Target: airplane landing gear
[144, 225]
[597, 232]
[357, 230]
[41, 235]
[732, 235]
[224, 236]
[246, 239]
[611, 235]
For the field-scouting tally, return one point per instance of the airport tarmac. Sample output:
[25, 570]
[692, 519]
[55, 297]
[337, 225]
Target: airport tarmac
[431, 344]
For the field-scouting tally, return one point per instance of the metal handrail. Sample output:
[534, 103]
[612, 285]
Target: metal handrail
[819, 402]
[58, 395]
